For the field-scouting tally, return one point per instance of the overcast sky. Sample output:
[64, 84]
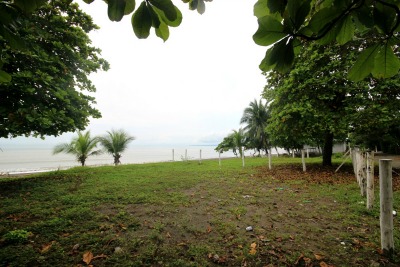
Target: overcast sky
[190, 90]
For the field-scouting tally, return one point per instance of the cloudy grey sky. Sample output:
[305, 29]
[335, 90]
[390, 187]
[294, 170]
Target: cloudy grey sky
[189, 90]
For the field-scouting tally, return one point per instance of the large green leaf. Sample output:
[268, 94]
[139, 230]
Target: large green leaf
[29, 5]
[384, 17]
[267, 64]
[330, 35]
[260, 8]
[167, 7]
[364, 64]
[346, 31]
[276, 6]
[269, 31]
[155, 17]
[364, 16]
[283, 53]
[280, 57]
[322, 19]
[193, 4]
[116, 9]
[201, 7]
[387, 64]
[324, 4]
[129, 7]
[163, 17]
[4, 77]
[141, 21]
[163, 31]
[298, 11]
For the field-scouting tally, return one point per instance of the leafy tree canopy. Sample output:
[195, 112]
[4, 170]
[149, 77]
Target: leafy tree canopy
[235, 141]
[283, 25]
[49, 57]
[255, 118]
[315, 103]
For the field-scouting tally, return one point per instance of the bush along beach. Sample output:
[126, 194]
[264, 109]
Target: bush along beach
[191, 214]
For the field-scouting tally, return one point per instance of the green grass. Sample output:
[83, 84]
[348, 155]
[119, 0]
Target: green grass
[188, 214]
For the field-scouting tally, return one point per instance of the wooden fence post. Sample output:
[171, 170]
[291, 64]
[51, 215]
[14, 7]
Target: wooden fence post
[370, 180]
[303, 160]
[186, 158]
[386, 206]
[173, 155]
[219, 158]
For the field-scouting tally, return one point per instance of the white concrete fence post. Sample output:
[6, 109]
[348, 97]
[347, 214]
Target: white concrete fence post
[200, 157]
[243, 157]
[370, 180]
[269, 159]
[386, 206]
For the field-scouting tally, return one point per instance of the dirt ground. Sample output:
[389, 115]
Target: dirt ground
[291, 224]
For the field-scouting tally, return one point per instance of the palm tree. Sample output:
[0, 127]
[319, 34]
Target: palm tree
[115, 142]
[239, 140]
[235, 141]
[256, 116]
[81, 146]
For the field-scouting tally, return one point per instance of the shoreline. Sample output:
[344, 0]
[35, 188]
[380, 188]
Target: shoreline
[31, 172]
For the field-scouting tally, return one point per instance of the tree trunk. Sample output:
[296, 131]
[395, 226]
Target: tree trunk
[327, 150]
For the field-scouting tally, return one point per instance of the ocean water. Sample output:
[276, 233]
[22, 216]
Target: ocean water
[37, 159]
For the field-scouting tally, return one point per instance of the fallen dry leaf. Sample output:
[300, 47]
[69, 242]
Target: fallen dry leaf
[253, 249]
[324, 264]
[168, 235]
[209, 229]
[87, 257]
[99, 256]
[303, 261]
[47, 247]
[318, 257]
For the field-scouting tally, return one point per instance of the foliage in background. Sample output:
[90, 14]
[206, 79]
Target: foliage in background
[255, 118]
[376, 122]
[49, 56]
[81, 146]
[237, 141]
[316, 104]
[310, 104]
[115, 142]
